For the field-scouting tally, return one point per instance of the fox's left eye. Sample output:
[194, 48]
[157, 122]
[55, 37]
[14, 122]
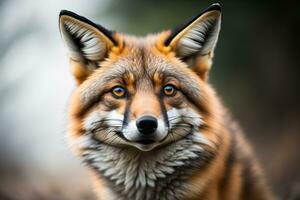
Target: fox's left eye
[118, 92]
[169, 90]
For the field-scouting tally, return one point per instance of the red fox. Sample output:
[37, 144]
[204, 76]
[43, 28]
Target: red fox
[145, 120]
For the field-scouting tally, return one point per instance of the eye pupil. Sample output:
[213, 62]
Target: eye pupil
[118, 92]
[169, 90]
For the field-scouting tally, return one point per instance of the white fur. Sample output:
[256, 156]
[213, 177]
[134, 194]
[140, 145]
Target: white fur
[195, 40]
[194, 117]
[136, 175]
[113, 122]
[95, 116]
[178, 116]
[93, 48]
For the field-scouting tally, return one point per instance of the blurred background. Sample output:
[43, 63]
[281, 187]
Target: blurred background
[256, 73]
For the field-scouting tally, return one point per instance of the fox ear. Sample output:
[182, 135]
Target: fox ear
[194, 41]
[88, 43]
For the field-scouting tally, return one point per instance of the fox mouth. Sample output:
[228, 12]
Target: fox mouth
[146, 141]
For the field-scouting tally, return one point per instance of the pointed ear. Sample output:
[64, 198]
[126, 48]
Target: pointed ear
[88, 43]
[194, 42]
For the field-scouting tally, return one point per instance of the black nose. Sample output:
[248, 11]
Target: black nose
[146, 124]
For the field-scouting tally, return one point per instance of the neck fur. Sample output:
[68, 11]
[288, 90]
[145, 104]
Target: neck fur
[159, 174]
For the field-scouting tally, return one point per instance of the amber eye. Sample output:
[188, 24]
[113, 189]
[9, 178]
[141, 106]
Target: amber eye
[118, 92]
[170, 90]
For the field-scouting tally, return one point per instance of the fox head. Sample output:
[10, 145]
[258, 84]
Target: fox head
[142, 93]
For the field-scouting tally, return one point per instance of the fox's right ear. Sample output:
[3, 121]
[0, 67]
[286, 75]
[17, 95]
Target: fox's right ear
[88, 43]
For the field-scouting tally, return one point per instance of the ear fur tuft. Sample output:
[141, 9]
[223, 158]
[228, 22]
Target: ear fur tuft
[86, 41]
[199, 35]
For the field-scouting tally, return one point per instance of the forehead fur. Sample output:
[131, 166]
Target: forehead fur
[139, 61]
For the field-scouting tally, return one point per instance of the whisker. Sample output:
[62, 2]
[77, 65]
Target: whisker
[173, 139]
[182, 117]
[187, 128]
[180, 134]
[173, 118]
[106, 119]
[181, 127]
[107, 132]
[182, 123]
[107, 138]
[112, 138]
[191, 117]
[105, 127]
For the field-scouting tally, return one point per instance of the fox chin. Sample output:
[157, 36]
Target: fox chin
[145, 120]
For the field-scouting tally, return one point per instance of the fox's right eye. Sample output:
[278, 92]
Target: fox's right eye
[118, 92]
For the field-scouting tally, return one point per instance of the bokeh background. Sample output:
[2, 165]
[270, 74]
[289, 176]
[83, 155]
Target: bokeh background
[256, 73]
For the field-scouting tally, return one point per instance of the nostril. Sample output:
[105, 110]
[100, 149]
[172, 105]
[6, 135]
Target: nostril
[146, 124]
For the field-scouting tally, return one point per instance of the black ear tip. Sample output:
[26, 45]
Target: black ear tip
[215, 6]
[64, 12]
[68, 13]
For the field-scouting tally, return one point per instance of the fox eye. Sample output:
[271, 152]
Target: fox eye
[118, 92]
[169, 90]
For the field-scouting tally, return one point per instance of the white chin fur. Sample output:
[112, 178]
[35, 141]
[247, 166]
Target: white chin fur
[145, 147]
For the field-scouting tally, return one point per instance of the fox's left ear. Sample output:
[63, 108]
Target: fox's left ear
[194, 42]
[88, 43]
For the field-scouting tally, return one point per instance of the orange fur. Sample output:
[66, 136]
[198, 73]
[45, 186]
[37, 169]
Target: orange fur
[218, 135]
[231, 172]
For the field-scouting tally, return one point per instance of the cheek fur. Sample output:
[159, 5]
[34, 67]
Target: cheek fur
[187, 116]
[184, 115]
[99, 117]
[104, 127]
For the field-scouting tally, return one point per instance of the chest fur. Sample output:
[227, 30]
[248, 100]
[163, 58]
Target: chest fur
[162, 174]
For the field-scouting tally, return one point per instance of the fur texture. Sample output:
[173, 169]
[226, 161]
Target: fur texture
[195, 151]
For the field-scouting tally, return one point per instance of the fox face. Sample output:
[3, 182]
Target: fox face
[143, 111]
[141, 92]
[142, 103]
